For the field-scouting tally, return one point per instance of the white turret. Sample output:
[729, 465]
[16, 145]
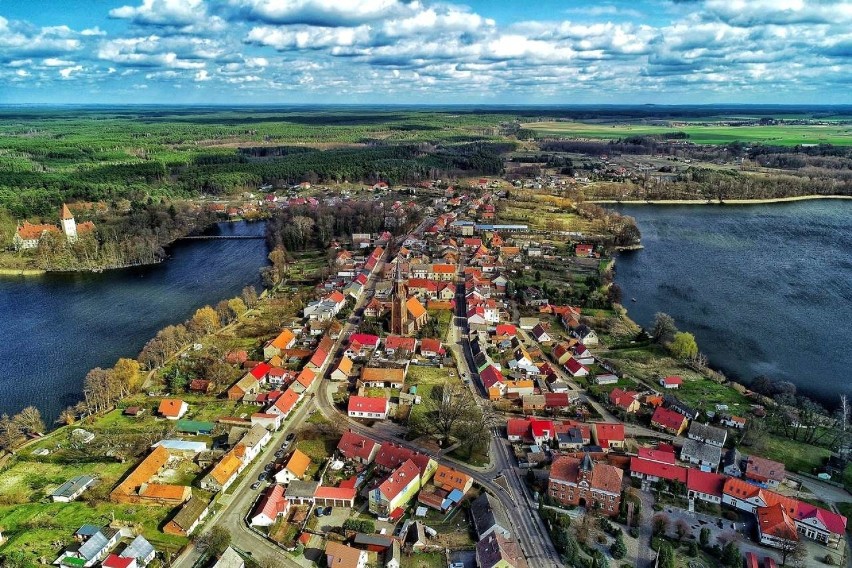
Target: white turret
[69, 226]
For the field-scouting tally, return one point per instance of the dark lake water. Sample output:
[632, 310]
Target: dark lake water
[766, 289]
[53, 329]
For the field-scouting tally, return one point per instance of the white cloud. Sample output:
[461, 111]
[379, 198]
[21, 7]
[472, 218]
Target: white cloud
[54, 62]
[202, 75]
[328, 13]
[163, 12]
[66, 73]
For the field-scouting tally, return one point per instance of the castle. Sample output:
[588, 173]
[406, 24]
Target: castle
[28, 235]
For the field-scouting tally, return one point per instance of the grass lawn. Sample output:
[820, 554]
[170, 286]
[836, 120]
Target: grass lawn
[32, 528]
[424, 560]
[796, 456]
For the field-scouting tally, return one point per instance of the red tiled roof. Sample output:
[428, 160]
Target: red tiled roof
[775, 521]
[656, 469]
[667, 418]
[673, 380]
[260, 370]
[365, 339]
[272, 503]
[506, 329]
[399, 479]
[325, 492]
[607, 432]
[287, 401]
[705, 482]
[517, 427]
[354, 445]
[658, 455]
[368, 404]
[573, 365]
[490, 376]
[398, 342]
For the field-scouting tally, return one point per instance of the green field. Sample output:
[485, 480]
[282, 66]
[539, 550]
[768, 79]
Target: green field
[782, 135]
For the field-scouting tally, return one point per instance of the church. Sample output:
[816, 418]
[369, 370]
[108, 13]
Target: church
[408, 315]
[28, 235]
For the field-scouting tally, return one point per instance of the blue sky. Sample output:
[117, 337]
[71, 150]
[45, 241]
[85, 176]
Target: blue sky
[401, 51]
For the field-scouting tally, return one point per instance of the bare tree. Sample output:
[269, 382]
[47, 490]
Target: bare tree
[10, 433]
[29, 420]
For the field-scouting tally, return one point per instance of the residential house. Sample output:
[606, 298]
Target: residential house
[705, 485]
[247, 385]
[325, 496]
[188, 518]
[449, 479]
[355, 447]
[609, 436]
[72, 489]
[582, 354]
[540, 334]
[270, 421]
[585, 483]
[405, 345]
[391, 456]
[529, 323]
[737, 422]
[295, 468]
[96, 546]
[140, 550]
[223, 473]
[775, 527]
[575, 368]
[431, 348]
[732, 463]
[707, 434]
[284, 404]
[680, 407]
[301, 492]
[396, 490]
[673, 382]
[669, 421]
[376, 377]
[172, 408]
[489, 516]
[496, 551]
[253, 442]
[585, 334]
[271, 506]
[230, 559]
[606, 379]
[764, 471]
[339, 555]
[285, 340]
[375, 408]
[343, 370]
[706, 456]
[625, 400]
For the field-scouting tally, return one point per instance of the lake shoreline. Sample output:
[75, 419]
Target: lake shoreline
[766, 201]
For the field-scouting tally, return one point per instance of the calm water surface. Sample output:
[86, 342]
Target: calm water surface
[767, 289]
[53, 329]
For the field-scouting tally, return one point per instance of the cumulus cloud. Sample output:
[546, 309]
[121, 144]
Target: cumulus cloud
[162, 12]
[327, 13]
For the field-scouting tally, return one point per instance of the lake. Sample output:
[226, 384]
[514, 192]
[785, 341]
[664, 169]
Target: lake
[56, 327]
[766, 289]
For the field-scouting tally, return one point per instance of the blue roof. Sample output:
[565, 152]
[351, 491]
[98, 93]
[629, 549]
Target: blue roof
[94, 546]
[182, 445]
[140, 548]
[455, 495]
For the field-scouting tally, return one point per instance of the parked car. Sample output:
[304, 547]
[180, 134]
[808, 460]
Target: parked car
[327, 511]
[255, 485]
[319, 512]
[279, 454]
[290, 437]
[263, 476]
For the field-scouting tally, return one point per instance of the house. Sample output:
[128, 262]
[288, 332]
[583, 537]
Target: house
[172, 408]
[492, 377]
[606, 379]
[195, 427]
[557, 401]
[304, 380]
[489, 516]
[575, 368]
[609, 436]
[737, 422]
[188, 518]
[343, 370]
[253, 442]
[396, 490]
[375, 408]
[766, 472]
[496, 551]
[72, 489]
[540, 334]
[505, 330]
[532, 403]
[394, 343]
[96, 547]
[301, 492]
[582, 354]
[585, 483]
[230, 559]
[389, 378]
[431, 348]
[732, 463]
[138, 488]
[270, 421]
[247, 385]
[200, 386]
[669, 421]
[271, 506]
[704, 485]
[585, 334]
[355, 447]
[339, 555]
[680, 407]
[140, 550]
[706, 456]
[653, 470]
[707, 434]
[520, 388]
[223, 473]
[672, 382]
[529, 323]
[391, 456]
[325, 496]
[295, 468]
[285, 340]
[284, 404]
[449, 479]
[775, 527]
[625, 400]
[115, 561]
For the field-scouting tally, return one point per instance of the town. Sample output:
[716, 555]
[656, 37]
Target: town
[431, 402]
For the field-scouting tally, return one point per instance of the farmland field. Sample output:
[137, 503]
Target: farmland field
[838, 133]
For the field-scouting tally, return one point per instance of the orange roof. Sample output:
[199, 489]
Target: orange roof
[341, 556]
[448, 478]
[226, 468]
[345, 365]
[144, 471]
[415, 308]
[287, 401]
[166, 492]
[306, 377]
[336, 297]
[298, 463]
[775, 521]
[519, 384]
[284, 339]
[30, 232]
[66, 213]
[373, 374]
[170, 407]
[443, 269]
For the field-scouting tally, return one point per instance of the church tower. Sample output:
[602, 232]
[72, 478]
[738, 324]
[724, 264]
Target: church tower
[399, 297]
[69, 226]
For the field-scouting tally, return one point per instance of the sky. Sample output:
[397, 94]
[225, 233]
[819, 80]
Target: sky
[415, 52]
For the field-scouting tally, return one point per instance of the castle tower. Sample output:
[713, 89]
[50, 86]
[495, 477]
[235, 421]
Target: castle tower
[399, 296]
[69, 226]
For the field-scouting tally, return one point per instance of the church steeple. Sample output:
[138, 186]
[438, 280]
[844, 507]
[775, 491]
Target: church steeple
[69, 225]
[399, 297]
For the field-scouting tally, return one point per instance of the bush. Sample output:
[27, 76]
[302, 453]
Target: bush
[692, 549]
[359, 525]
[618, 548]
[634, 532]
[829, 559]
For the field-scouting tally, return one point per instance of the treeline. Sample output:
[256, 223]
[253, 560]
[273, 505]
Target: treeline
[138, 237]
[395, 164]
[15, 429]
[302, 228]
